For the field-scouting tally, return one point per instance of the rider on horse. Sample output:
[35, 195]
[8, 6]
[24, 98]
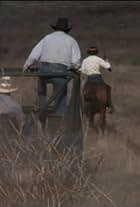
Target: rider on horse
[91, 68]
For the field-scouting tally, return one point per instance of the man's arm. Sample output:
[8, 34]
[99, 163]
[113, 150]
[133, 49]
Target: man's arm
[34, 55]
[76, 55]
[105, 64]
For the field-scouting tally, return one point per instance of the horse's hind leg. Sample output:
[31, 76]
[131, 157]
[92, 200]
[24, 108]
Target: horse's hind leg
[91, 120]
[103, 120]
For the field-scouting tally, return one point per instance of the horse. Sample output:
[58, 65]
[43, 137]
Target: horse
[95, 98]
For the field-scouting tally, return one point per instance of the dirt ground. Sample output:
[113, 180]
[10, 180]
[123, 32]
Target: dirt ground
[113, 158]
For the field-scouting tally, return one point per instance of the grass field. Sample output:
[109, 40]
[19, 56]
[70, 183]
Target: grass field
[111, 172]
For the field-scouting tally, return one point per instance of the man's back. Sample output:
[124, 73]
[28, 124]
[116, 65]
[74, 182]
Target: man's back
[9, 105]
[59, 47]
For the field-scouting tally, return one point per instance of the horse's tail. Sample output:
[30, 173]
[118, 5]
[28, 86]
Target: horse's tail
[90, 98]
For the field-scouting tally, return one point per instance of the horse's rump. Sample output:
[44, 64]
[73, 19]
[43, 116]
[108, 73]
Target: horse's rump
[92, 90]
[96, 97]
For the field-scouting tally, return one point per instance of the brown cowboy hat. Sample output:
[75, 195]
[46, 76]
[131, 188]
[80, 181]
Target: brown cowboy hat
[62, 23]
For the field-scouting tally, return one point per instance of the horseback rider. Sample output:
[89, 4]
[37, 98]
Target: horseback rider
[56, 53]
[91, 68]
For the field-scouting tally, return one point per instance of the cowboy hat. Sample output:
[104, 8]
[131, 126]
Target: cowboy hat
[62, 24]
[6, 86]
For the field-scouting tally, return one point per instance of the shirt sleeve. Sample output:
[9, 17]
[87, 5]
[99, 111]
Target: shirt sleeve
[104, 64]
[82, 68]
[34, 55]
[76, 55]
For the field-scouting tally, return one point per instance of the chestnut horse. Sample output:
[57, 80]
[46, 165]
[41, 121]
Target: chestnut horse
[95, 97]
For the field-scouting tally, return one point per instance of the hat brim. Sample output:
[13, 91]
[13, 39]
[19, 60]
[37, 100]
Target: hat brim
[61, 28]
[9, 90]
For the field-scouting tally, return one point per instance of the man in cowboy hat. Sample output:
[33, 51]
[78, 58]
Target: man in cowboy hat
[56, 52]
[7, 104]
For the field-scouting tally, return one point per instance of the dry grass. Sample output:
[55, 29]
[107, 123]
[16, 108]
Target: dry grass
[35, 172]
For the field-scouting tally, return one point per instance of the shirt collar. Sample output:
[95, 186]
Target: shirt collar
[59, 32]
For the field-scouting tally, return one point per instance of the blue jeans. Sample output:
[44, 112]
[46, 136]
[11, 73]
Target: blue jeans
[58, 83]
[97, 78]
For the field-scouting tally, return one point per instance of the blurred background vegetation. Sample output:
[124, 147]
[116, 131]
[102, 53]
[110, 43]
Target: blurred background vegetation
[111, 25]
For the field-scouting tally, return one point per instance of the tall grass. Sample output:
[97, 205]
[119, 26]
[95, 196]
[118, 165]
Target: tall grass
[35, 173]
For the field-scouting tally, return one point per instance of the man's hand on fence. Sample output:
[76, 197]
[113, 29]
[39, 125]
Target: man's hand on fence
[30, 69]
[26, 70]
[76, 71]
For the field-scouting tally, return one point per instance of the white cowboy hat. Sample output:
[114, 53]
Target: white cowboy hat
[6, 86]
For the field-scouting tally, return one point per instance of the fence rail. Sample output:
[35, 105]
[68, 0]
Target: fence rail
[17, 72]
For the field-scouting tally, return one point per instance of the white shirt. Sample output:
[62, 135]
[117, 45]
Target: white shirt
[10, 106]
[57, 47]
[92, 64]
